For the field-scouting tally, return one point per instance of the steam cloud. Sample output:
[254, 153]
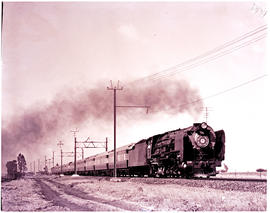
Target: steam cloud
[73, 108]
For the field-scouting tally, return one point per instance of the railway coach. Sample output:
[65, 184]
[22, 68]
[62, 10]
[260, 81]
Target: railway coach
[197, 149]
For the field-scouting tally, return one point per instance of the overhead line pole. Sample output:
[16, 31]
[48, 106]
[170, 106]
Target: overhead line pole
[75, 149]
[206, 114]
[60, 144]
[114, 123]
[115, 88]
[206, 111]
[91, 144]
[49, 163]
[106, 145]
[61, 161]
[82, 153]
[53, 159]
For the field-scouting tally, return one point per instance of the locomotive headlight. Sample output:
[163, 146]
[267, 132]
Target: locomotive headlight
[202, 141]
[204, 125]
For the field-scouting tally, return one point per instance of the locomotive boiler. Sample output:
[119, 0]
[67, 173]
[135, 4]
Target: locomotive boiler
[197, 149]
[193, 150]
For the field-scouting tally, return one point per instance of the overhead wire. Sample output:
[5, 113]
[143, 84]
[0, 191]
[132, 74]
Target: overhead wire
[226, 90]
[242, 37]
[204, 55]
[212, 57]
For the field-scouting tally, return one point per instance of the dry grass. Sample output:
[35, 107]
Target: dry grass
[23, 195]
[175, 197]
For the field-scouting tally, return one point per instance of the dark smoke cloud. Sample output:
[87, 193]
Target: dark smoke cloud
[74, 107]
[164, 96]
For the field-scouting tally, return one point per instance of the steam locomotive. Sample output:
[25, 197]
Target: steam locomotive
[186, 152]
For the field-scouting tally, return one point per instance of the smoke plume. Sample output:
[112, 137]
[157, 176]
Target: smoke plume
[74, 107]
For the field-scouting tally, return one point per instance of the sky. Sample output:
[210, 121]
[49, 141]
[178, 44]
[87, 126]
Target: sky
[58, 59]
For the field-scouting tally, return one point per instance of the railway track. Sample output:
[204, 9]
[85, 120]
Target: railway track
[226, 184]
[233, 179]
[193, 178]
[210, 179]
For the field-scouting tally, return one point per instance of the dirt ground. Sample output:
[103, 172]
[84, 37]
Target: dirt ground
[53, 193]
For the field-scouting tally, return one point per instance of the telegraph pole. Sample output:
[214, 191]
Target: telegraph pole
[49, 164]
[53, 159]
[106, 145]
[45, 167]
[206, 112]
[61, 162]
[34, 167]
[60, 144]
[114, 123]
[82, 153]
[115, 88]
[75, 154]
[67, 154]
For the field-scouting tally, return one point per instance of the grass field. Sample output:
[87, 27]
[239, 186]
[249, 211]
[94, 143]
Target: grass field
[156, 195]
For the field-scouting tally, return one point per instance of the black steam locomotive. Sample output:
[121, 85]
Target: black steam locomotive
[183, 152]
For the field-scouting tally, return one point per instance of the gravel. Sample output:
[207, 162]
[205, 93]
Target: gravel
[214, 184]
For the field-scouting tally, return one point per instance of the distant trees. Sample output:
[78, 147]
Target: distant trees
[16, 169]
[21, 163]
[12, 170]
[260, 171]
